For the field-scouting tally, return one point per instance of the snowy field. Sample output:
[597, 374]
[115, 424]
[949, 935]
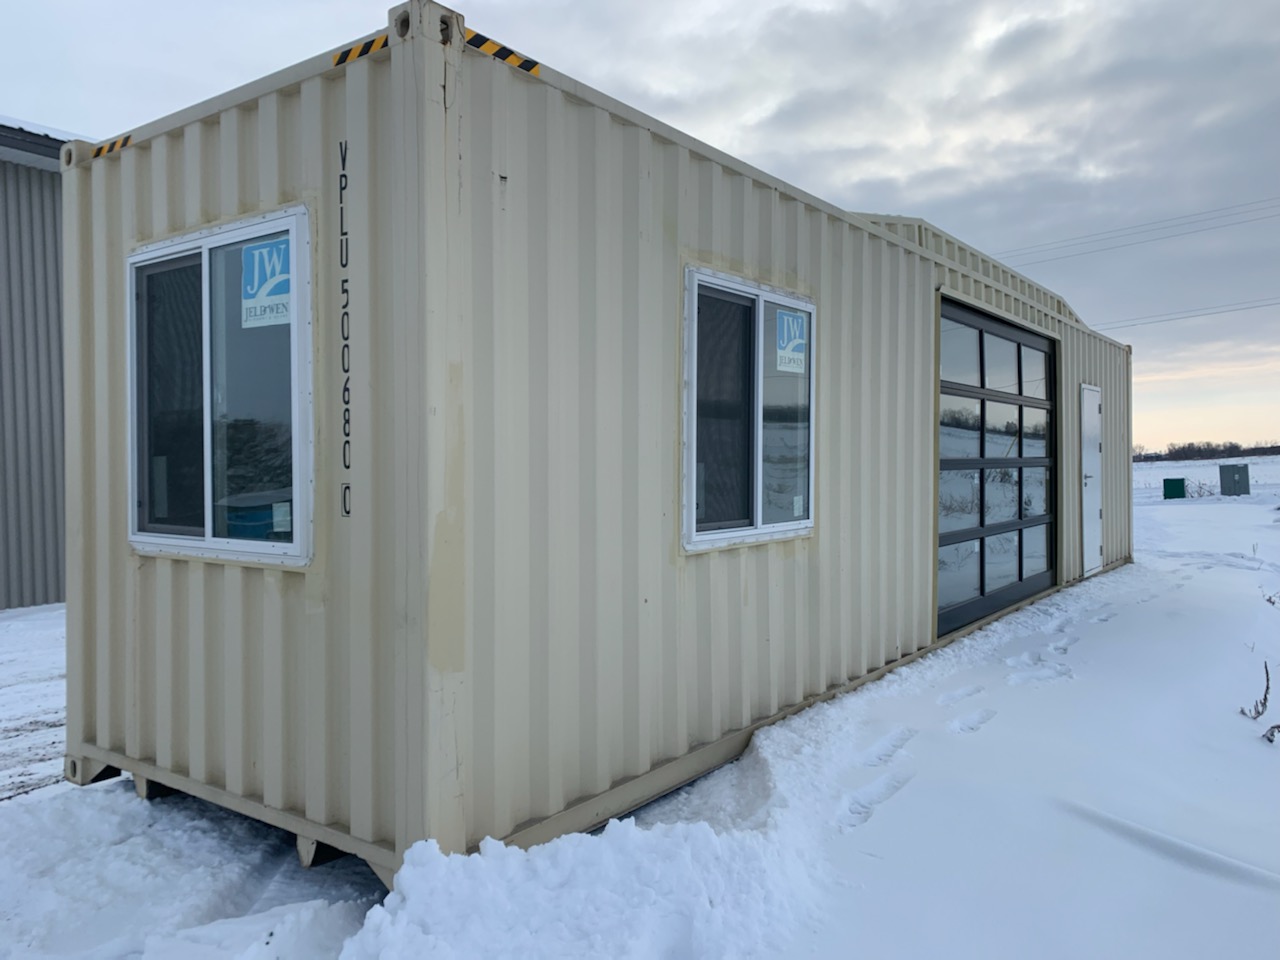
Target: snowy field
[1073, 781]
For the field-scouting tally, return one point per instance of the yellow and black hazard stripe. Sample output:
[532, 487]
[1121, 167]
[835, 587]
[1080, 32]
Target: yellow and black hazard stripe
[505, 54]
[372, 45]
[111, 146]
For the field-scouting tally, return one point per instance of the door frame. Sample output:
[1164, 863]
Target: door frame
[1091, 560]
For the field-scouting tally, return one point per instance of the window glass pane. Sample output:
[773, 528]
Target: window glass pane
[1033, 376]
[250, 303]
[1000, 495]
[1000, 363]
[1035, 491]
[957, 500]
[1035, 432]
[959, 350]
[1002, 430]
[1035, 551]
[961, 428]
[958, 571]
[1000, 560]
[725, 427]
[170, 412]
[785, 457]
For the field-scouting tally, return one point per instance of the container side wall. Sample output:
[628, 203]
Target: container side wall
[1087, 358]
[602, 649]
[274, 685]
[31, 425]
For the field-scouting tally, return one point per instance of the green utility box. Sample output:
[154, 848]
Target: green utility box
[1234, 478]
[1175, 489]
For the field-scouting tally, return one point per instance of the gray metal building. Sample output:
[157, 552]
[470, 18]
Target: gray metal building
[31, 437]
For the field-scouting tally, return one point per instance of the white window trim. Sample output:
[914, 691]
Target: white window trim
[691, 539]
[296, 221]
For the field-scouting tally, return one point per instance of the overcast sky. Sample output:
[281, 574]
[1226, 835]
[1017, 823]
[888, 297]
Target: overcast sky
[1009, 123]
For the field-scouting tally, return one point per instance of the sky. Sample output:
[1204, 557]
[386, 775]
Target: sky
[1149, 127]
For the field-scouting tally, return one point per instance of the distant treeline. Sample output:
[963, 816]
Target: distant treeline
[1208, 450]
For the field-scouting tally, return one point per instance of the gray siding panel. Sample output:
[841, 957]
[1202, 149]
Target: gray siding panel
[31, 467]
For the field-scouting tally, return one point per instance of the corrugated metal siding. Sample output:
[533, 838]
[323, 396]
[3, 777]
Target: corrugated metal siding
[273, 685]
[31, 450]
[507, 622]
[1087, 357]
[600, 648]
[1084, 357]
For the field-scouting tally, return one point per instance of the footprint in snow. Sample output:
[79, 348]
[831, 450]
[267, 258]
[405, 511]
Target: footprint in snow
[886, 748]
[1104, 617]
[955, 696]
[860, 804]
[1037, 669]
[1063, 645]
[970, 722]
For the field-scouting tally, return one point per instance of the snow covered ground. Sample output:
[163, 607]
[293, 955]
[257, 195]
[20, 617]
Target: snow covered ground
[1072, 781]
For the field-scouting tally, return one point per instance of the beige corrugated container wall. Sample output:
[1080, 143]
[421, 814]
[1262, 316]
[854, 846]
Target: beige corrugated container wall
[1084, 357]
[506, 637]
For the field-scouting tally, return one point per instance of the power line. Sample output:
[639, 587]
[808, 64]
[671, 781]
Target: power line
[1208, 311]
[1175, 314]
[1071, 241]
[1060, 245]
[1134, 243]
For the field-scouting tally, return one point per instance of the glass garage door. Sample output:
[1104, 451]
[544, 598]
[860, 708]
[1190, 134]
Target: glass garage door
[996, 466]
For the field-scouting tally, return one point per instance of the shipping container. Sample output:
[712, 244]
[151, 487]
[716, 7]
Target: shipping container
[454, 451]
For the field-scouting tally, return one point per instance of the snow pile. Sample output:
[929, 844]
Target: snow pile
[32, 698]
[1074, 780]
[684, 889]
[99, 872]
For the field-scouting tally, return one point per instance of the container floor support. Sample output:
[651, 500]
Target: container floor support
[148, 789]
[312, 853]
[82, 771]
[383, 873]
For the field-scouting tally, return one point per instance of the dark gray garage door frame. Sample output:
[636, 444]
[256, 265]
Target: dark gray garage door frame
[997, 465]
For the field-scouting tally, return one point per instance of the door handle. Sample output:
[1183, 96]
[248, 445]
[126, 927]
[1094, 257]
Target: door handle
[1088, 476]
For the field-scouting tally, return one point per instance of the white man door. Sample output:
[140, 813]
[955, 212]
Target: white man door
[1091, 477]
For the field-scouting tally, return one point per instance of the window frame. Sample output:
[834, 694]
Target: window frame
[693, 540]
[295, 221]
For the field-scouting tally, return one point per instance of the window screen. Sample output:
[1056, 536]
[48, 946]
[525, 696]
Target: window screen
[170, 428]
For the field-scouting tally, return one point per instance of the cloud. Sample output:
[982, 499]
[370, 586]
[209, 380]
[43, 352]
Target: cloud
[1005, 123]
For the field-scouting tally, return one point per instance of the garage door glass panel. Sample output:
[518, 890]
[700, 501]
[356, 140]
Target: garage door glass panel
[1002, 430]
[959, 349]
[1033, 373]
[958, 500]
[1035, 491]
[1000, 560]
[1035, 432]
[959, 573]
[1000, 364]
[999, 495]
[961, 428]
[995, 496]
[1035, 550]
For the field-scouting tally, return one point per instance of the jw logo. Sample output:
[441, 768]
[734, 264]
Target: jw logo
[264, 283]
[793, 341]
